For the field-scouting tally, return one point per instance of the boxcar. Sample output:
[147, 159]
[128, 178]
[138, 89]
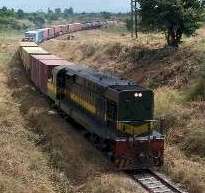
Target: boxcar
[50, 33]
[26, 53]
[35, 36]
[63, 29]
[45, 57]
[57, 30]
[45, 33]
[67, 28]
[28, 44]
[41, 71]
[25, 44]
[74, 27]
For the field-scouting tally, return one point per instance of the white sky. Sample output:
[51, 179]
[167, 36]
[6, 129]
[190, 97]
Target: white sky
[78, 5]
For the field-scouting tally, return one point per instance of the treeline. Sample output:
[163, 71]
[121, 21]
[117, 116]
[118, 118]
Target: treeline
[11, 18]
[19, 19]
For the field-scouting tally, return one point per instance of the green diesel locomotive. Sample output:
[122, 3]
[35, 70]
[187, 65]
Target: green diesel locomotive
[117, 113]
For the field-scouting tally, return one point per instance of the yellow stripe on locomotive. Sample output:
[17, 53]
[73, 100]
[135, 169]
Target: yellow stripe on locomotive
[86, 105]
[134, 129]
[51, 90]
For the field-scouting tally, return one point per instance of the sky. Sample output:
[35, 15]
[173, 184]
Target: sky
[78, 5]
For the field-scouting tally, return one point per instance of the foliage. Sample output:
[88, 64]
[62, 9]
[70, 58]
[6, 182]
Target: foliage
[18, 19]
[9, 17]
[197, 92]
[129, 24]
[58, 12]
[106, 15]
[20, 14]
[174, 17]
[39, 21]
[68, 12]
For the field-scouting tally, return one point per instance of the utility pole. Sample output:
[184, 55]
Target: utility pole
[134, 18]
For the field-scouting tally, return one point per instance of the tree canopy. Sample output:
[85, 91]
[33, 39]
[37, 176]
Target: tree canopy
[174, 17]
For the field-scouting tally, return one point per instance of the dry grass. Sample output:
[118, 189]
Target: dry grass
[23, 168]
[184, 155]
[113, 183]
[142, 60]
[183, 170]
[167, 100]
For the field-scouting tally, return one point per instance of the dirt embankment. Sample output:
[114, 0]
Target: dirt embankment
[145, 60]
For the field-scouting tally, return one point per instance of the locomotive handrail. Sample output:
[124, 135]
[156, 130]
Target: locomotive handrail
[149, 121]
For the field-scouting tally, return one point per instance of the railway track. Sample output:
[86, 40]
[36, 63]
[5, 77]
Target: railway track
[155, 183]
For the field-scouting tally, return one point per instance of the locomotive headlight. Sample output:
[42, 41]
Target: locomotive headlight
[138, 95]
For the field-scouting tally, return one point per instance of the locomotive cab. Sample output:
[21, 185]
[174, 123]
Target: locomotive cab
[135, 112]
[130, 112]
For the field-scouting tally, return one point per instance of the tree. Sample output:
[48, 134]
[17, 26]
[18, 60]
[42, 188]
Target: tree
[4, 9]
[129, 24]
[51, 15]
[20, 14]
[174, 17]
[58, 12]
[106, 15]
[68, 12]
[38, 20]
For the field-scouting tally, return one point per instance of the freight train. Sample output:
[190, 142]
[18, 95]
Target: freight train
[116, 113]
[41, 35]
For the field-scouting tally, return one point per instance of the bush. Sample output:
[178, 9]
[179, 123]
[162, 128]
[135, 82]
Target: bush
[197, 92]
[167, 101]
[194, 141]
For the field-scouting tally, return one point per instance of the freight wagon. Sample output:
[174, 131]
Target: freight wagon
[40, 35]
[35, 36]
[63, 29]
[26, 53]
[41, 70]
[74, 27]
[28, 44]
[45, 32]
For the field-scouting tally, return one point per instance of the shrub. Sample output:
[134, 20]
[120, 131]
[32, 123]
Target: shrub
[197, 92]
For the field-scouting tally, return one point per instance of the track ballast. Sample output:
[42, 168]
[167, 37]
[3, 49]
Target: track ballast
[154, 182]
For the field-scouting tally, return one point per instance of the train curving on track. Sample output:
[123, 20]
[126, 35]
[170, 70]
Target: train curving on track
[117, 114]
[40, 35]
